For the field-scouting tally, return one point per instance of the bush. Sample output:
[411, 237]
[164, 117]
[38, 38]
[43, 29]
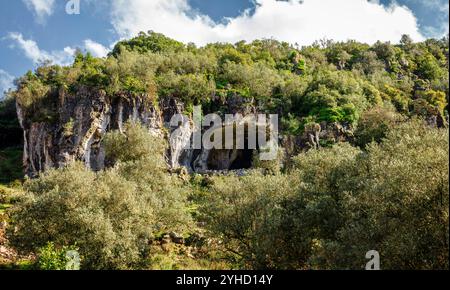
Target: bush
[190, 88]
[399, 202]
[275, 221]
[135, 143]
[339, 203]
[110, 215]
[273, 166]
[375, 124]
[243, 213]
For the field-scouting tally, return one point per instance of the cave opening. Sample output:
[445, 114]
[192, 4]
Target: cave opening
[239, 157]
[244, 160]
[230, 159]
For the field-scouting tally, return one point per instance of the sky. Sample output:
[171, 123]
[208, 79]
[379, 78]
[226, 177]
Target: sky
[35, 30]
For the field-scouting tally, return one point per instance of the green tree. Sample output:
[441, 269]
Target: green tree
[112, 215]
[375, 124]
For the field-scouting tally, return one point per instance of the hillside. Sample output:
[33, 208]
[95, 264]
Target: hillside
[361, 163]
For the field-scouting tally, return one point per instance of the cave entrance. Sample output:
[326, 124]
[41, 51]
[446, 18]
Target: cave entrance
[230, 159]
[233, 159]
[243, 161]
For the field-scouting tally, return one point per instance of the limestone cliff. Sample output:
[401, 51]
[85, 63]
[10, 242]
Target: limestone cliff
[82, 119]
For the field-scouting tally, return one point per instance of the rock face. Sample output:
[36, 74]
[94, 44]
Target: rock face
[316, 136]
[81, 121]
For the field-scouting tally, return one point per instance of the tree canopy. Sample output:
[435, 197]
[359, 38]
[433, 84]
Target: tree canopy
[328, 81]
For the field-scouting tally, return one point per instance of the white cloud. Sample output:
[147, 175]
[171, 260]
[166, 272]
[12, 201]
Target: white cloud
[35, 54]
[95, 48]
[62, 57]
[294, 21]
[6, 82]
[41, 8]
[440, 10]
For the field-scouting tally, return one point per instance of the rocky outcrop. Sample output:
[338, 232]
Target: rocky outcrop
[81, 120]
[77, 131]
[316, 136]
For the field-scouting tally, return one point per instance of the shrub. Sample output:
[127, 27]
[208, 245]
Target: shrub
[110, 215]
[106, 214]
[435, 98]
[374, 124]
[275, 221]
[273, 166]
[399, 203]
[135, 143]
[243, 213]
[190, 88]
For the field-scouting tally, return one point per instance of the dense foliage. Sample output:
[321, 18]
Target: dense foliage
[328, 81]
[110, 216]
[339, 203]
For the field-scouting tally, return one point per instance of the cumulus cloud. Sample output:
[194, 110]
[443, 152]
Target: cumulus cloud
[95, 48]
[32, 51]
[293, 21]
[62, 57]
[41, 8]
[6, 82]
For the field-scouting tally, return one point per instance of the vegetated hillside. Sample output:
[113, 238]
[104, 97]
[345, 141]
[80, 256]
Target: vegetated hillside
[333, 82]
[383, 185]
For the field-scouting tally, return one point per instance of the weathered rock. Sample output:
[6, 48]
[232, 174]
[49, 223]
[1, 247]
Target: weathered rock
[81, 120]
[81, 123]
[180, 152]
[201, 162]
[316, 134]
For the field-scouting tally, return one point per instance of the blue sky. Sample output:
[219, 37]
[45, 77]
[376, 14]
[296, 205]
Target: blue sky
[32, 30]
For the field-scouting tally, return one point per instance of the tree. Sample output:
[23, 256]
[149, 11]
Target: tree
[400, 202]
[375, 124]
[110, 216]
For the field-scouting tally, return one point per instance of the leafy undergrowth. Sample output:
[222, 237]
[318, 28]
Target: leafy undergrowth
[187, 257]
[9, 258]
[10, 165]
[195, 252]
